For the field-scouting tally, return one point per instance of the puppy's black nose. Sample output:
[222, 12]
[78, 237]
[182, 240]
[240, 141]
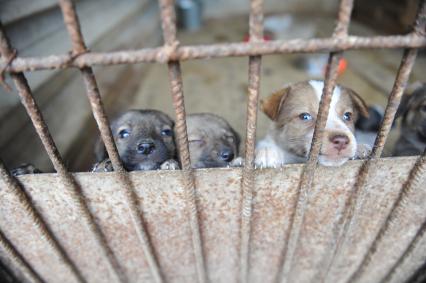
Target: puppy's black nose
[340, 142]
[226, 155]
[146, 147]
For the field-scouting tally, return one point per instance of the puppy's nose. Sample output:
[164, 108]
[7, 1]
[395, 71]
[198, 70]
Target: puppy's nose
[146, 147]
[226, 155]
[339, 142]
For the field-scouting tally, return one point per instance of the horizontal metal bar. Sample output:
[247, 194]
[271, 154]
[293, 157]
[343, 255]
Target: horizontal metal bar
[163, 54]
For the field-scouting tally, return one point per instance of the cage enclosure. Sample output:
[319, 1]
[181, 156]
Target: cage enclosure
[67, 67]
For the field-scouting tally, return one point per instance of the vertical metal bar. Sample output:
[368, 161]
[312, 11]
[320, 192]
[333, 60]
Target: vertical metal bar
[413, 245]
[38, 221]
[73, 26]
[394, 100]
[297, 218]
[412, 182]
[71, 186]
[18, 260]
[168, 24]
[248, 178]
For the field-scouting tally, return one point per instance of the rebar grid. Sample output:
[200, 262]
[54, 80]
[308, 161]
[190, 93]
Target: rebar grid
[168, 24]
[394, 100]
[301, 202]
[413, 181]
[18, 259]
[247, 183]
[171, 53]
[73, 26]
[38, 221]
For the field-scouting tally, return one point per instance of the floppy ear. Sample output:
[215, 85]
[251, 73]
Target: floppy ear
[359, 102]
[237, 139]
[271, 105]
[403, 105]
[100, 150]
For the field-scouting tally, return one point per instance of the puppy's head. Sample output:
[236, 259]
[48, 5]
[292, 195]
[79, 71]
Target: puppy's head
[413, 112]
[144, 139]
[212, 141]
[294, 110]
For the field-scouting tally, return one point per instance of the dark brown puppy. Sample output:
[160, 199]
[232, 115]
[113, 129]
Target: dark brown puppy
[212, 141]
[144, 139]
[413, 125]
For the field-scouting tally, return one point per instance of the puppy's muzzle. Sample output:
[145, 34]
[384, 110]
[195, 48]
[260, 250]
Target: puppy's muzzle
[146, 147]
[226, 155]
[340, 141]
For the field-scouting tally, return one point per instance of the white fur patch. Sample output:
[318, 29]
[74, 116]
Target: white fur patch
[333, 120]
[269, 154]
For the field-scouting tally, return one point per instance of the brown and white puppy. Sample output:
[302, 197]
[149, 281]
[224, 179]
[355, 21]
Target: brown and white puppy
[144, 139]
[293, 111]
[412, 110]
[212, 141]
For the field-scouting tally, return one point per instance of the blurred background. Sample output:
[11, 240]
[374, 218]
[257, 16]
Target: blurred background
[217, 85]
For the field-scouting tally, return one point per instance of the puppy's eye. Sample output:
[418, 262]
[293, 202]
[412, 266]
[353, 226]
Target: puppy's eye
[305, 117]
[166, 132]
[124, 134]
[347, 116]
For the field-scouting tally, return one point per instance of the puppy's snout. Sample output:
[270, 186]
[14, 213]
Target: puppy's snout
[340, 142]
[146, 147]
[226, 155]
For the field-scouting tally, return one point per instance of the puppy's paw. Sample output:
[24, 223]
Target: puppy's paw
[237, 162]
[24, 169]
[103, 166]
[267, 157]
[362, 151]
[170, 164]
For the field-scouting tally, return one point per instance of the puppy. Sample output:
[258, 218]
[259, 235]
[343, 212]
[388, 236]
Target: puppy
[144, 139]
[293, 111]
[212, 141]
[412, 110]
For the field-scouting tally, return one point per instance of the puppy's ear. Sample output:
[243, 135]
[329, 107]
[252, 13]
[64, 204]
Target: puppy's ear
[405, 104]
[358, 101]
[271, 105]
[237, 140]
[100, 150]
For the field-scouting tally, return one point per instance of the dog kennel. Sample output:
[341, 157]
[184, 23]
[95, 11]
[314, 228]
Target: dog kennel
[362, 222]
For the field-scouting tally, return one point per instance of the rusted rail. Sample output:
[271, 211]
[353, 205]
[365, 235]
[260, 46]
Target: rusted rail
[92, 90]
[168, 24]
[247, 183]
[183, 53]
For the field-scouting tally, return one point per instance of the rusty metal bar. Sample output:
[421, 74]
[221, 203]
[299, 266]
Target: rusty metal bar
[302, 198]
[73, 26]
[394, 100]
[162, 54]
[413, 245]
[38, 221]
[168, 24]
[412, 182]
[18, 260]
[247, 183]
[71, 187]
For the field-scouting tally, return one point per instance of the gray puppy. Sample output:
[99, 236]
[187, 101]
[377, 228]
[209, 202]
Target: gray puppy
[212, 141]
[412, 110]
[144, 139]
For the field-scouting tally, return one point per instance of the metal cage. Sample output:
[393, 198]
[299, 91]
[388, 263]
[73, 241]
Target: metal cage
[189, 226]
